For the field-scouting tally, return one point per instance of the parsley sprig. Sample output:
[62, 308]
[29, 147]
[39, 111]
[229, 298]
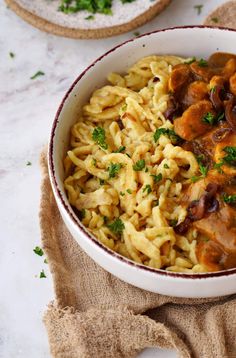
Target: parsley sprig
[169, 133]
[38, 251]
[202, 168]
[147, 188]
[116, 226]
[229, 199]
[113, 169]
[99, 137]
[139, 165]
[230, 158]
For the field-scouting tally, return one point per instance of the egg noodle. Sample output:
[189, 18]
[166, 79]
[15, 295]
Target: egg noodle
[125, 172]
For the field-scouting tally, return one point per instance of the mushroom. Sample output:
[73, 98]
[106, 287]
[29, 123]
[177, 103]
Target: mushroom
[230, 113]
[179, 76]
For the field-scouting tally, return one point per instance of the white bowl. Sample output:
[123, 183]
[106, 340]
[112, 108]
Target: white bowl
[185, 41]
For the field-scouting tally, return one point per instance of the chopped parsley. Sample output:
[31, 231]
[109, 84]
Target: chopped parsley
[168, 132]
[198, 8]
[147, 188]
[166, 166]
[93, 6]
[99, 137]
[122, 193]
[136, 33]
[230, 158]
[202, 63]
[82, 214]
[139, 165]
[116, 226]
[191, 60]
[120, 149]
[45, 261]
[90, 17]
[28, 164]
[42, 274]
[157, 178]
[218, 166]
[202, 168]
[113, 169]
[173, 222]
[37, 74]
[38, 251]
[209, 118]
[229, 199]
[129, 191]
[11, 54]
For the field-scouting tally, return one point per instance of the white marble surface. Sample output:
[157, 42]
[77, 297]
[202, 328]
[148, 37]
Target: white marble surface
[27, 108]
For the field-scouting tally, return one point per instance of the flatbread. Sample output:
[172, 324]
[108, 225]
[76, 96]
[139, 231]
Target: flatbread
[224, 15]
[44, 15]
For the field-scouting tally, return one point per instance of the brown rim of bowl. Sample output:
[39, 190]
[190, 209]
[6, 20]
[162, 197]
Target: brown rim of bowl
[68, 208]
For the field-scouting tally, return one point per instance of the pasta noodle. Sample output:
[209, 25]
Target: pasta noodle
[125, 182]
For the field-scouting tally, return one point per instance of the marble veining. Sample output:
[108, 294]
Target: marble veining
[27, 108]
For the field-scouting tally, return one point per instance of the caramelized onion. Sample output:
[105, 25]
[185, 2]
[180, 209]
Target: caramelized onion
[172, 109]
[230, 113]
[206, 204]
[215, 97]
[221, 134]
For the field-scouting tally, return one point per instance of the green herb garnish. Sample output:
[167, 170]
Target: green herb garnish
[81, 214]
[209, 118]
[99, 137]
[173, 222]
[28, 164]
[202, 168]
[129, 191]
[198, 8]
[147, 188]
[166, 166]
[202, 63]
[136, 33]
[218, 166]
[37, 74]
[122, 193]
[11, 54]
[42, 274]
[229, 199]
[230, 158]
[157, 178]
[120, 149]
[139, 165]
[191, 60]
[90, 17]
[113, 169]
[168, 132]
[117, 226]
[45, 261]
[38, 251]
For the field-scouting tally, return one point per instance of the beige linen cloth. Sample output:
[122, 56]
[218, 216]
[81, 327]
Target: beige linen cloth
[97, 315]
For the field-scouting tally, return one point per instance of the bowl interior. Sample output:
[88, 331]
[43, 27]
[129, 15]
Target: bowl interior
[187, 42]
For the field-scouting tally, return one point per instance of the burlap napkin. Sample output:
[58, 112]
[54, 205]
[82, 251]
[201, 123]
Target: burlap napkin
[97, 315]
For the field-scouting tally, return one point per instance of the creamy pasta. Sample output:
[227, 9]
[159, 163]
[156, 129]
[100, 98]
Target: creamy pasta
[126, 172]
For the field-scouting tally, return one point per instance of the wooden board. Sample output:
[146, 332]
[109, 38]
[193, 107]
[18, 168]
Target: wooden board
[58, 23]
